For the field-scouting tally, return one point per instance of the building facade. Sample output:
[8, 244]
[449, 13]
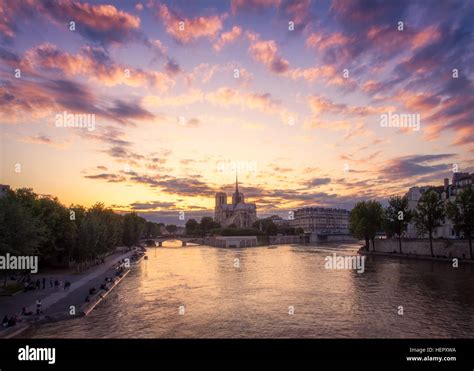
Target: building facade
[322, 221]
[447, 192]
[238, 213]
[279, 221]
[232, 241]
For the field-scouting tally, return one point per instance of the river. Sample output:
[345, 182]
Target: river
[278, 292]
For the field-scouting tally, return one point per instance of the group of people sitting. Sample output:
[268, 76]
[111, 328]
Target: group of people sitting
[12, 321]
[25, 312]
[137, 254]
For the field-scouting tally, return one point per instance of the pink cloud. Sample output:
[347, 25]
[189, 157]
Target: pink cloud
[193, 28]
[94, 64]
[327, 73]
[318, 41]
[253, 5]
[266, 52]
[428, 35]
[101, 23]
[45, 140]
[320, 105]
[228, 37]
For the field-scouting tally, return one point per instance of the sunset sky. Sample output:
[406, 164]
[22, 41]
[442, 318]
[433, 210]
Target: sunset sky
[169, 111]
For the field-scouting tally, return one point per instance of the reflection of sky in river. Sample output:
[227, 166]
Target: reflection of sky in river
[221, 300]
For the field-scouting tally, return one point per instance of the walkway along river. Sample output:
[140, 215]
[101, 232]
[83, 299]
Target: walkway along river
[278, 292]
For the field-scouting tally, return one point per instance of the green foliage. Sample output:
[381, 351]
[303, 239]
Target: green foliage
[152, 230]
[429, 214]
[366, 220]
[461, 212]
[397, 216]
[171, 228]
[21, 232]
[32, 224]
[299, 231]
[266, 226]
[207, 226]
[192, 228]
[133, 227]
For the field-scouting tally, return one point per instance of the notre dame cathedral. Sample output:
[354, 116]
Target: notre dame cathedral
[239, 213]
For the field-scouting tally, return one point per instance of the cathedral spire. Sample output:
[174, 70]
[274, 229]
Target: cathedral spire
[236, 183]
[237, 197]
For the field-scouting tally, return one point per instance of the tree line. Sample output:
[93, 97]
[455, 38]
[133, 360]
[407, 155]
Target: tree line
[368, 218]
[261, 227]
[40, 225]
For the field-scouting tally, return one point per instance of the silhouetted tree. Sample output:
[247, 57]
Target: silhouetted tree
[365, 220]
[429, 214]
[461, 212]
[397, 217]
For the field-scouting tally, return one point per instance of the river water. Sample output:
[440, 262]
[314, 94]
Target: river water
[207, 292]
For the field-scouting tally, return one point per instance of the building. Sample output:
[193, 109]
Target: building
[4, 189]
[232, 241]
[322, 223]
[447, 192]
[279, 221]
[239, 213]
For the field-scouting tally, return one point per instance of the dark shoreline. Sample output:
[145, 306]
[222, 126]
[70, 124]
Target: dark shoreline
[60, 310]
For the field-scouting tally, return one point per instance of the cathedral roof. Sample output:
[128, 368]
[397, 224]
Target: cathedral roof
[243, 206]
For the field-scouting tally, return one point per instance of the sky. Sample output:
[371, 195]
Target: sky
[289, 94]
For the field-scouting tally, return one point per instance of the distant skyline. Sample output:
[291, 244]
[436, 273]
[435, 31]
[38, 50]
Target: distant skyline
[171, 118]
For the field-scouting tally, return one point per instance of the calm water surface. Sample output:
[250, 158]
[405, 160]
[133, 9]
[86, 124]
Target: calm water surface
[222, 301]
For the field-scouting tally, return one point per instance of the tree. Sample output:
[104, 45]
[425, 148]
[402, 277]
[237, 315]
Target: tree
[152, 230]
[299, 231]
[60, 232]
[266, 226]
[461, 212]
[271, 229]
[77, 252]
[171, 228]
[192, 227]
[21, 232]
[365, 220]
[207, 224]
[397, 217]
[133, 227]
[429, 214]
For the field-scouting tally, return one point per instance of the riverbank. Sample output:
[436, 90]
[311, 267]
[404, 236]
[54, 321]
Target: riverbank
[59, 304]
[418, 257]
[443, 250]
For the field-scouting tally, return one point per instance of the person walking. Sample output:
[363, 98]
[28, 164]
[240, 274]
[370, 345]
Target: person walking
[44, 283]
